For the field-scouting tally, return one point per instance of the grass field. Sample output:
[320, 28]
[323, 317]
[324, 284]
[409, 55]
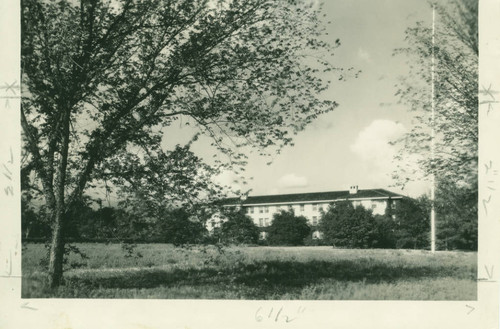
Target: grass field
[255, 273]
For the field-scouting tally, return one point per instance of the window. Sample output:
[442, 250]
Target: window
[266, 209]
[251, 210]
[266, 221]
[374, 205]
[315, 220]
[301, 207]
[261, 222]
[290, 207]
[261, 210]
[315, 206]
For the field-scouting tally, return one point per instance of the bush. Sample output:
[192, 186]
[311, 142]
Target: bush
[32, 224]
[412, 223]
[386, 228]
[456, 216]
[238, 228]
[344, 225]
[288, 229]
[178, 226]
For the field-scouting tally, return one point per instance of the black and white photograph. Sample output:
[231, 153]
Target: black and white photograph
[249, 150]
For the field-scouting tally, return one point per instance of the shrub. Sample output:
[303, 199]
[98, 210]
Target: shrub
[412, 223]
[288, 229]
[385, 232]
[344, 225]
[178, 226]
[456, 216]
[238, 228]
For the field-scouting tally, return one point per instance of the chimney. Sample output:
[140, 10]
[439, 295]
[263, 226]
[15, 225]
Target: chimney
[353, 189]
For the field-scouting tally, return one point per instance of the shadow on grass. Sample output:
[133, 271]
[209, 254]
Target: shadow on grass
[259, 280]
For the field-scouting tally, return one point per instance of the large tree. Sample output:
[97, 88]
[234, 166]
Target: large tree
[344, 225]
[238, 228]
[443, 79]
[104, 80]
[287, 229]
[450, 64]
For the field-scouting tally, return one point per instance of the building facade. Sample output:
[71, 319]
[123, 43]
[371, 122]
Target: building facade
[310, 205]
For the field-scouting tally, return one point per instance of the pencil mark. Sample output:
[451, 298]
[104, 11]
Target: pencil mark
[7, 172]
[490, 166]
[277, 315]
[471, 309]
[485, 202]
[11, 161]
[11, 87]
[25, 305]
[490, 274]
[8, 190]
[8, 271]
[9, 91]
[488, 92]
[11, 276]
[485, 280]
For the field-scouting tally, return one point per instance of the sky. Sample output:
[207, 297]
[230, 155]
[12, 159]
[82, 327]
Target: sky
[349, 146]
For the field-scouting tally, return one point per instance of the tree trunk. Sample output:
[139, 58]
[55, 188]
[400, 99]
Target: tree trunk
[56, 250]
[57, 247]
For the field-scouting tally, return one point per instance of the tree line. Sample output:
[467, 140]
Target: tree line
[342, 225]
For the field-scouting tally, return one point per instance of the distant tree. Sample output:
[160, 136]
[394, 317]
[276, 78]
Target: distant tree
[81, 223]
[287, 229]
[104, 80]
[178, 227]
[344, 225]
[32, 223]
[131, 228]
[412, 223]
[456, 209]
[238, 228]
[386, 228]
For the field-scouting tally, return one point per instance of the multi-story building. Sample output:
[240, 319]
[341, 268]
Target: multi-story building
[262, 208]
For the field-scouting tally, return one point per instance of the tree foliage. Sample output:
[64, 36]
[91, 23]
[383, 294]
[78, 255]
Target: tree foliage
[238, 228]
[453, 58]
[344, 225]
[412, 229]
[179, 227]
[104, 80]
[287, 229]
[455, 53]
[456, 209]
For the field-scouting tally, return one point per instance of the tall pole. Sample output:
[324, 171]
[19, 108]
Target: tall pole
[433, 178]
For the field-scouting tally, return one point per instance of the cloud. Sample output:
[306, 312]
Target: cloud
[229, 179]
[292, 181]
[373, 147]
[364, 55]
[373, 142]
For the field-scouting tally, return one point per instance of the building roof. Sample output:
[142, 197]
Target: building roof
[312, 197]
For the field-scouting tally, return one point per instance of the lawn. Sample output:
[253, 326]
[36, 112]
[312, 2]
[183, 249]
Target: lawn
[163, 271]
